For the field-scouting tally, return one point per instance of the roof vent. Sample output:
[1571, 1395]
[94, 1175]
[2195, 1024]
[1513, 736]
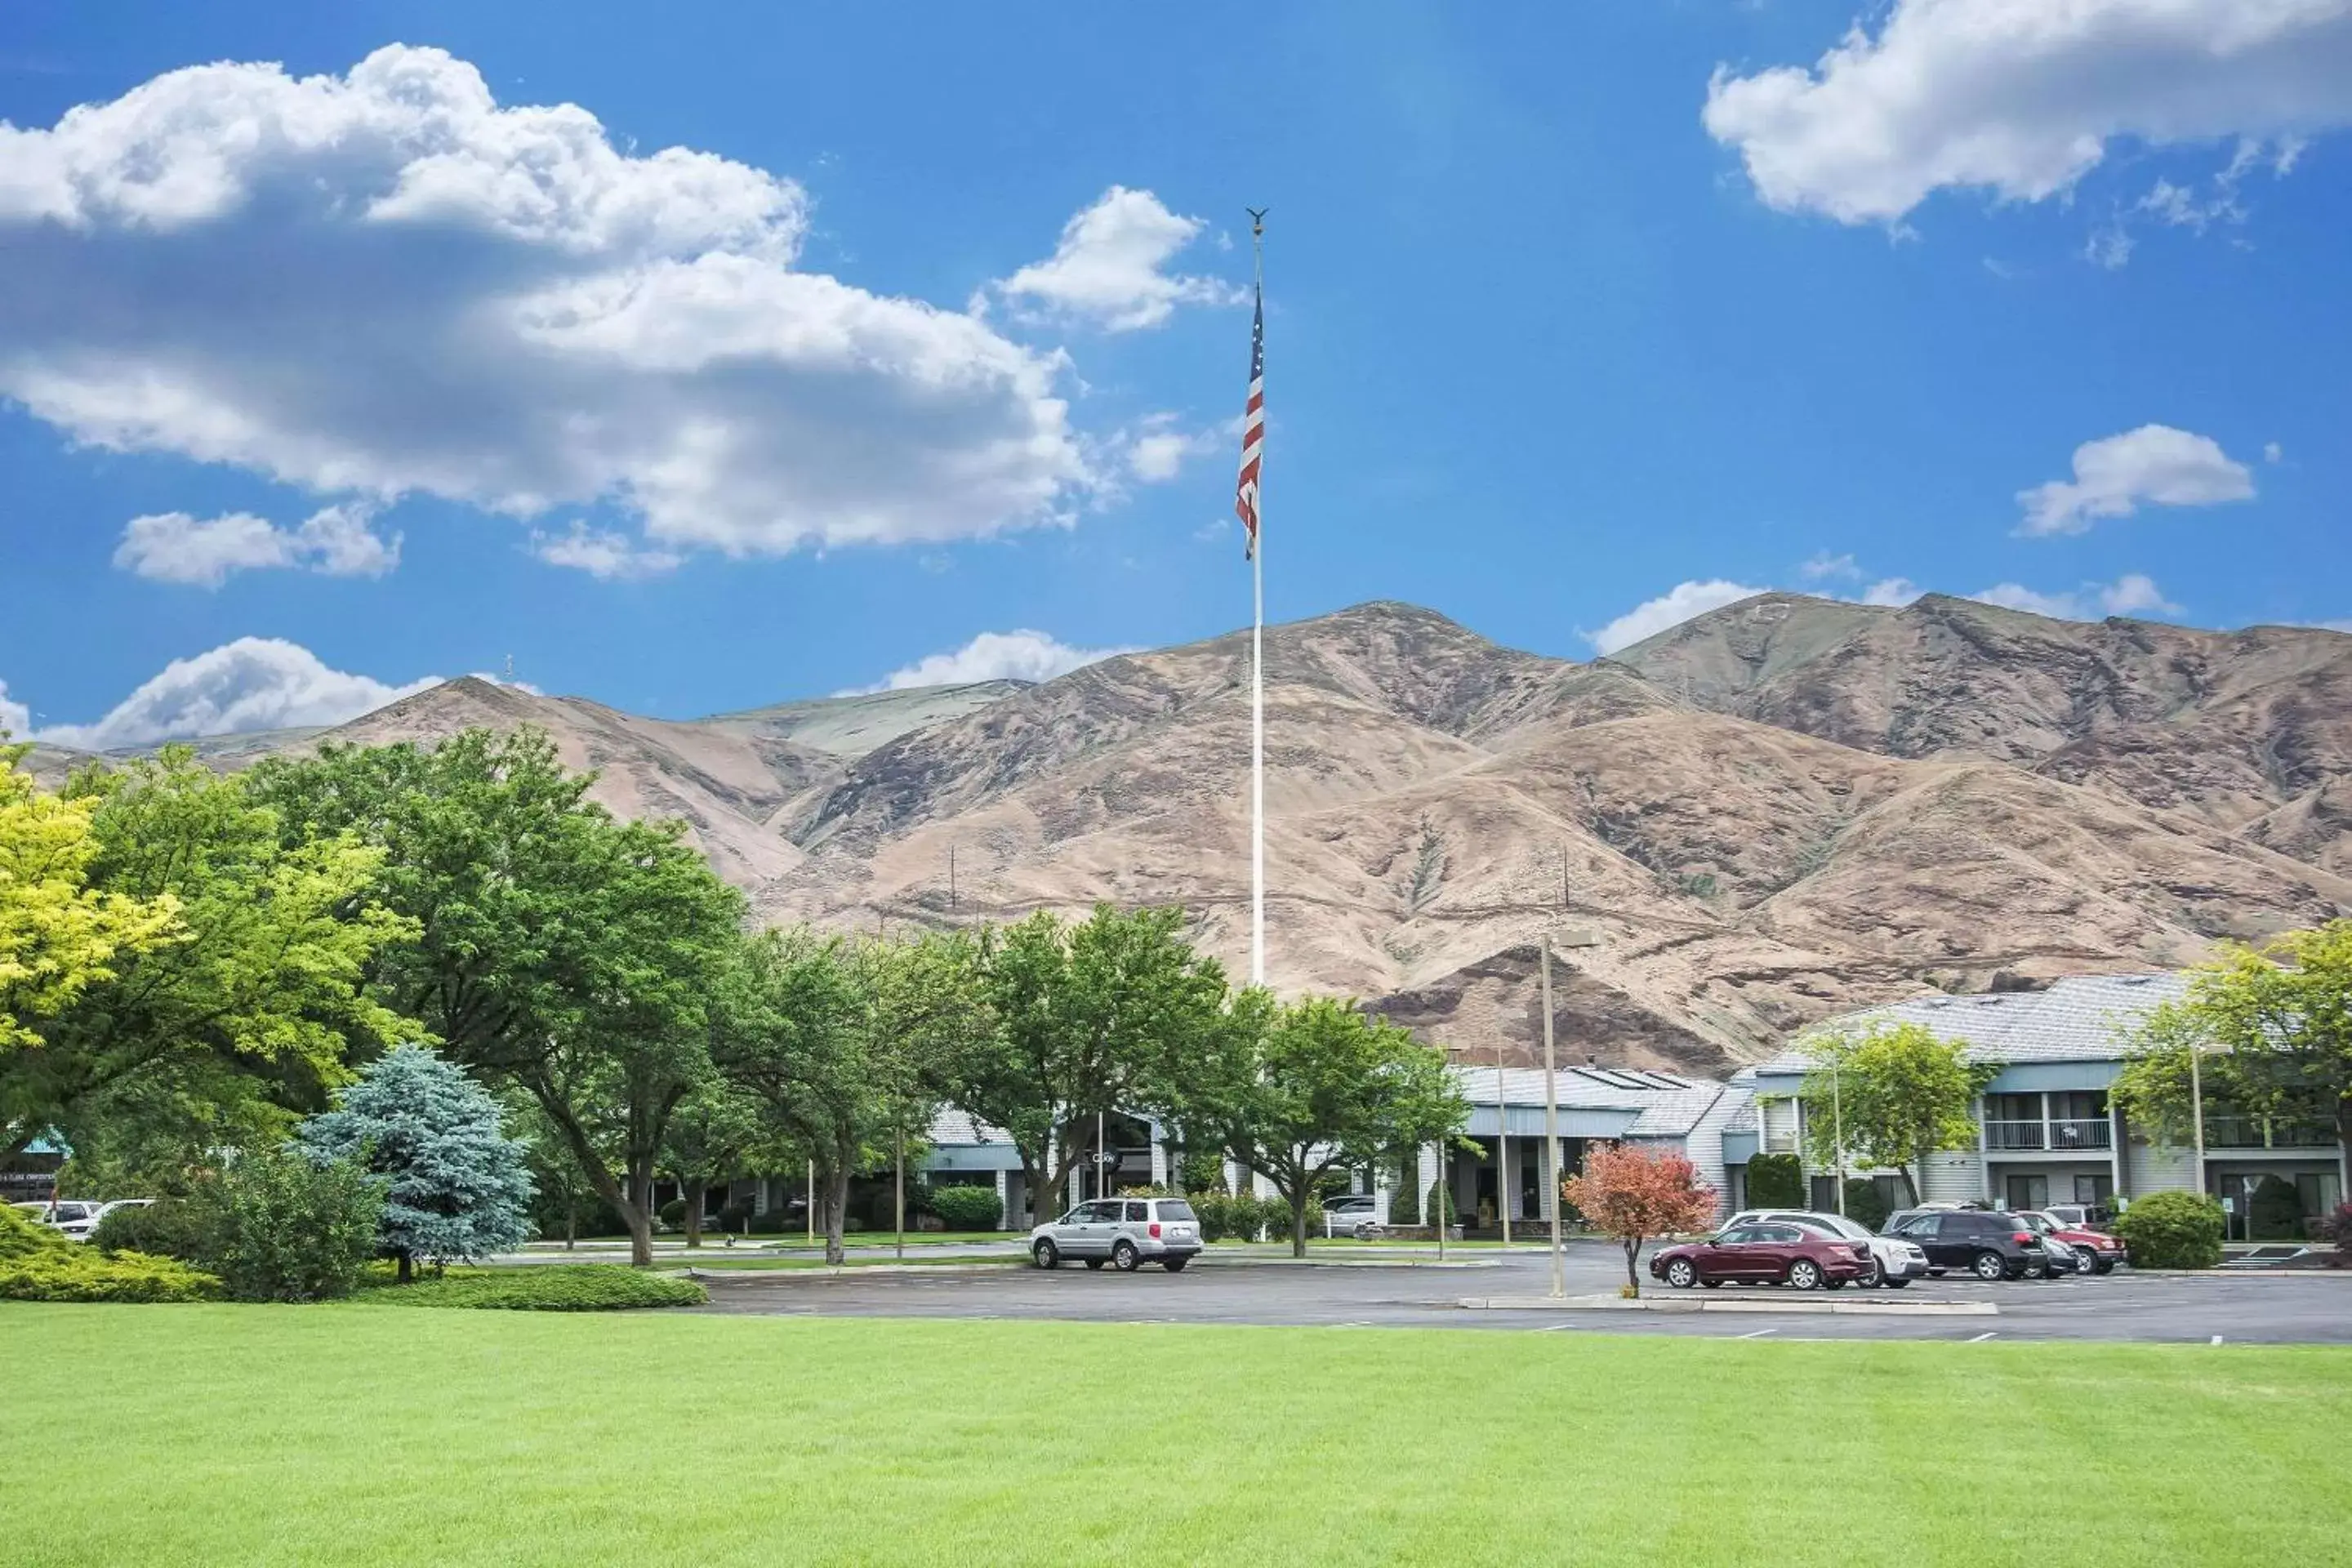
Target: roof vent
[2135, 979]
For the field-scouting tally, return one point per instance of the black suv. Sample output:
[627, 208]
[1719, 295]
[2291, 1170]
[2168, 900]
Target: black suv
[1987, 1244]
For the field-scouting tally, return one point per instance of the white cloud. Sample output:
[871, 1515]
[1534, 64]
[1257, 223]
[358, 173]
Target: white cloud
[1671, 608]
[385, 282]
[1157, 450]
[253, 683]
[2021, 98]
[996, 655]
[335, 541]
[2273, 452]
[2154, 463]
[602, 553]
[1111, 267]
[1891, 591]
[15, 719]
[2128, 595]
[1824, 565]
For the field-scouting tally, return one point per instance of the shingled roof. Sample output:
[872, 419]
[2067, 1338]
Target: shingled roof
[2077, 1019]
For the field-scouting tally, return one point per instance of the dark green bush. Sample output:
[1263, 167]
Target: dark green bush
[545, 1288]
[1405, 1204]
[277, 1227]
[2274, 1213]
[966, 1207]
[1431, 1199]
[1864, 1204]
[672, 1214]
[164, 1229]
[2172, 1230]
[1776, 1181]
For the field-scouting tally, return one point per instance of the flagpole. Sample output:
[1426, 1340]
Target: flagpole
[1257, 682]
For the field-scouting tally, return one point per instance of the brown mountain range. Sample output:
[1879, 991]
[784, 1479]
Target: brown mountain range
[1778, 810]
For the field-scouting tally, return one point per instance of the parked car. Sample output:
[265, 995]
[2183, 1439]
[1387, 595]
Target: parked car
[1896, 1261]
[2079, 1216]
[1122, 1232]
[1803, 1257]
[1987, 1244]
[2100, 1251]
[74, 1217]
[1356, 1215]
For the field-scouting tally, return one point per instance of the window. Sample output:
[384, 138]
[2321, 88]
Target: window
[1138, 1213]
[1739, 1235]
[2078, 1105]
[2028, 1192]
[1176, 1208]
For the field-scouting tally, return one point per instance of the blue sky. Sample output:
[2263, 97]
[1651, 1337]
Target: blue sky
[933, 328]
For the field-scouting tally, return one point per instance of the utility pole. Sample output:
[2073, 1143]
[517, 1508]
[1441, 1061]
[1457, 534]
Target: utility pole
[809, 1209]
[899, 1190]
[952, 882]
[1502, 1146]
[1551, 1124]
[2197, 1110]
[1837, 1133]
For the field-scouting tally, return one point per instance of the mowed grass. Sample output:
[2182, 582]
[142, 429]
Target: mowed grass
[335, 1435]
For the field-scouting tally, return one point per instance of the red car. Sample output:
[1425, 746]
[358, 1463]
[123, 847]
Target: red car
[2105, 1251]
[1765, 1253]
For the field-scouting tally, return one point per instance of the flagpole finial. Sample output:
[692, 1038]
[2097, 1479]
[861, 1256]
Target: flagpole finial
[1258, 221]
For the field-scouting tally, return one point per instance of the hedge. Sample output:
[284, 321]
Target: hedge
[1776, 1181]
[545, 1288]
[966, 1207]
[40, 1263]
[2172, 1230]
[164, 1229]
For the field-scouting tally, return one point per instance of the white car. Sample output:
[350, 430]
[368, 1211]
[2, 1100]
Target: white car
[1356, 1215]
[1899, 1261]
[71, 1217]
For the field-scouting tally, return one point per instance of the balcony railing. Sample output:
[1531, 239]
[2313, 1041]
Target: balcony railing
[2058, 1133]
[2081, 1132]
[2268, 1132]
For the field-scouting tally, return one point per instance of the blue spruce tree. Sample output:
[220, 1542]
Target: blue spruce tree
[460, 1189]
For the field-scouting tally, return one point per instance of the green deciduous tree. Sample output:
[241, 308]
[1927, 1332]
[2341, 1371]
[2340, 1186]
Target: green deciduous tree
[714, 1131]
[555, 948]
[1099, 1016]
[1297, 1091]
[457, 1188]
[2275, 1024]
[213, 1037]
[1897, 1092]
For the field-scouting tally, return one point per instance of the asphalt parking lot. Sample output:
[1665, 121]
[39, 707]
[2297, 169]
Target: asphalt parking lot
[1366, 1292]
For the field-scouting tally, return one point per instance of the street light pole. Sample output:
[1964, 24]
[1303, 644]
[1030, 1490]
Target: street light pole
[1502, 1146]
[1837, 1132]
[1551, 1124]
[2196, 1112]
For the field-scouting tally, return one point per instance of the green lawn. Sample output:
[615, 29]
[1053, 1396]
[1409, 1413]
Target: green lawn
[327, 1435]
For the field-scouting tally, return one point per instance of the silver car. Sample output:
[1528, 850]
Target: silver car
[1896, 1262]
[1123, 1232]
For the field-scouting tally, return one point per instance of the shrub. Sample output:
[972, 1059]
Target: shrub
[672, 1214]
[164, 1229]
[276, 1227]
[1864, 1204]
[84, 1275]
[1776, 1181]
[1404, 1203]
[2172, 1230]
[21, 1237]
[545, 1288]
[2274, 1213]
[2339, 1230]
[1202, 1170]
[1431, 1199]
[967, 1207]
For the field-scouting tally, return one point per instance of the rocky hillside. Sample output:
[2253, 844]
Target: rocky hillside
[1781, 810]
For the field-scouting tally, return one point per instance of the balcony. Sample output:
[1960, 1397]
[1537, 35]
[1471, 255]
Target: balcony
[2231, 1132]
[2060, 1134]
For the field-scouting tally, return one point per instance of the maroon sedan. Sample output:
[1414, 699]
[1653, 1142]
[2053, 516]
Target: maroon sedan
[1765, 1254]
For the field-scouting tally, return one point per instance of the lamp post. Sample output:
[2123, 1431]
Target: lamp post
[1837, 1133]
[1551, 1123]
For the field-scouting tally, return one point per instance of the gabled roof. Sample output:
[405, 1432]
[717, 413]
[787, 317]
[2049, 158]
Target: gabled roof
[2081, 1018]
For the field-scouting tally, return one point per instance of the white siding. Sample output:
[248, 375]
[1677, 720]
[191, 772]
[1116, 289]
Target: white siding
[2153, 1168]
[1956, 1176]
[1777, 1120]
[1704, 1147]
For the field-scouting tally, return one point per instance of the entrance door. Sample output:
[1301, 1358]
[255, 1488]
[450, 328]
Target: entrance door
[2028, 1192]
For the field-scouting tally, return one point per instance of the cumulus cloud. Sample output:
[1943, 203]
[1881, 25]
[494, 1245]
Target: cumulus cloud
[2273, 452]
[2131, 593]
[1157, 450]
[1678, 605]
[1824, 565]
[602, 553]
[15, 719]
[2021, 98]
[335, 541]
[996, 655]
[385, 282]
[1111, 269]
[2154, 463]
[253, 683]
[1894, 593]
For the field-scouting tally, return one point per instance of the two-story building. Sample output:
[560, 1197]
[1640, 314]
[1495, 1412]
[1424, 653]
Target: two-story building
[2047, 1130]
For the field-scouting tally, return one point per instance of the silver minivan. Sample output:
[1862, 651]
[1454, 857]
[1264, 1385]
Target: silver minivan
[1122, 1232]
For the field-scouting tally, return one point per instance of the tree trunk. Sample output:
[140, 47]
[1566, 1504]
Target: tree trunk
[406, 1268]
[694, 1191]
[1632, 1275]
[837, 1204]
[570, 1221]
[636, 1209]
[1298, 1222]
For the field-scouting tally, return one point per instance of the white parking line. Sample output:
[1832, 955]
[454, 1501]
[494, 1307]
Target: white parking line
[1980, 1339]
[1759, 1334]
[2216, 1339]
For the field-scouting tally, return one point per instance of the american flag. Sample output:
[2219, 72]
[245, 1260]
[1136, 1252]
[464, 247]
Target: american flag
[1252, 433]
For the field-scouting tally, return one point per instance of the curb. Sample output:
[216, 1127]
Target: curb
[825, 1271]
[1682, 1304]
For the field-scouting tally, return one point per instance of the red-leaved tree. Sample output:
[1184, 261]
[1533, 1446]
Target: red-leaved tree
[1633, 1195]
